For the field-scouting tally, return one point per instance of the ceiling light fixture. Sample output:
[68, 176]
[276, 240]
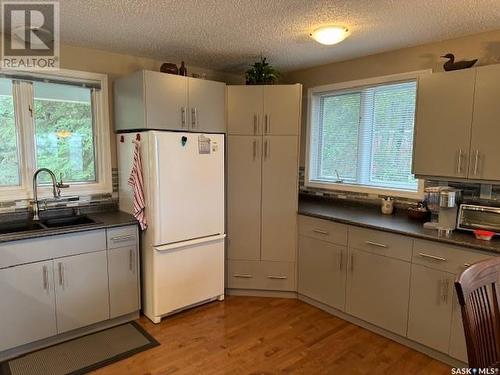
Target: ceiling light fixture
[330, 34]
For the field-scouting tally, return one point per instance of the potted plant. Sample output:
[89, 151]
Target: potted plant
[261, 73]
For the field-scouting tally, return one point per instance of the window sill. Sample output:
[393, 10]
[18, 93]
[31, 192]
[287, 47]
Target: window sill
[352, 188]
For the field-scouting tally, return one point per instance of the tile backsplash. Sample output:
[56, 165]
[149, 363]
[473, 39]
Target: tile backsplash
[471, 193]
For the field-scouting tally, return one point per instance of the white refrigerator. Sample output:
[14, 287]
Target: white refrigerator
[182, 250]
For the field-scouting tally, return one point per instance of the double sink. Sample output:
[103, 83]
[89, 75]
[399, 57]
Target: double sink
[52, 223]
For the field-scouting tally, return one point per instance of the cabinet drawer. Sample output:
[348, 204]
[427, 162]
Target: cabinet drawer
[278, 275]
[382, 243]
[447, 258]
[261, 275]
[243, 274]
[323, 230]
[50, 247]
[122, 236]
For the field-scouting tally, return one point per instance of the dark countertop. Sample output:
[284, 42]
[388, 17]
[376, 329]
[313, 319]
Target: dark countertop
[370, 217]
[109, 219]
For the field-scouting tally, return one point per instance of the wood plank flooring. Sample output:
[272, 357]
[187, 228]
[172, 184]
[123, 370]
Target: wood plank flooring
[252, 335]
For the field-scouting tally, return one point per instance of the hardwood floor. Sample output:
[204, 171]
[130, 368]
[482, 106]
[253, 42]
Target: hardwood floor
[252, 335]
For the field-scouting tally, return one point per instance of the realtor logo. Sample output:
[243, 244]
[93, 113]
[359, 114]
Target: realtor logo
[30, 33]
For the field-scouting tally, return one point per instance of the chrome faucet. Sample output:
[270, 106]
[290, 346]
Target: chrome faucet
[56, 189]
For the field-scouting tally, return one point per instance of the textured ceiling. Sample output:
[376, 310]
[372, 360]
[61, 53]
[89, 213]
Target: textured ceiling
[228, 34]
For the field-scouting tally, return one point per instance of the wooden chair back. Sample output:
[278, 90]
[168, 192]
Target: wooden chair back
[478, 294]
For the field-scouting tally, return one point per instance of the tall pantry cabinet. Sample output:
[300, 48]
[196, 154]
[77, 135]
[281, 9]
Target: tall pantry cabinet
[262, 158]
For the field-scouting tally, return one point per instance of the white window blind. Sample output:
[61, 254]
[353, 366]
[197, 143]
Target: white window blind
[364, 136]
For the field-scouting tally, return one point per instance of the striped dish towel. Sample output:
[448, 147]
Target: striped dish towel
[135, 180]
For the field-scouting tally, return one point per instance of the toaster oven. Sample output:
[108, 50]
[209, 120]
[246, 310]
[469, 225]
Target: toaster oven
[472, 217]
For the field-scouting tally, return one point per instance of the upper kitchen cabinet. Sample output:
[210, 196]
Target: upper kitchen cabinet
[484, 151]
[282, 109]
[155, 100]
[206, 105]
[456, 128]
[244, 110]
[443, 123]
[266, 109]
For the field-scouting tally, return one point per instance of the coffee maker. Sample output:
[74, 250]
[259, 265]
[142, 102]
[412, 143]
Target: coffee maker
[443, 203]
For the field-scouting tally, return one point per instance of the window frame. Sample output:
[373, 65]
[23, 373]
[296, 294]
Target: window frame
[313, 98]
[25, 124]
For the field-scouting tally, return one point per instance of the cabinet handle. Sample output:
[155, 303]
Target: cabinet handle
[183, 117]
[265, 149]
[243, 276]
[266, 124]
[444, 290]
[277, 277]
[194, 119]
[476, 162]
[377, 244]
[254, 149]
[466, 265]
[123, 238]
[130, 260]
[60, 268]
[255, 124]
[459, 163]
[45, 278]
[320, 231]
[433, 257]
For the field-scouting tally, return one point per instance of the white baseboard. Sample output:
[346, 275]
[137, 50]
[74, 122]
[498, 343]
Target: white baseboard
[261, 293]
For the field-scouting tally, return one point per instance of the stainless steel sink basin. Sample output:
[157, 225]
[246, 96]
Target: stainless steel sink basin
[67, 221]
[22, 226]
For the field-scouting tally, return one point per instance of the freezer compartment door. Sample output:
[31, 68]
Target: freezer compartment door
[189, 179]
[186, 275]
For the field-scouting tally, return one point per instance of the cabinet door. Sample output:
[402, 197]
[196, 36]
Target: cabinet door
[279, 198]
[206, 105]
[123, 273]
[28, 305]
[458, 347]
[485, 153]
[429, 317]
[244, 197]
[322, 271]
[282, 109]
[378, 290]
[166, 101]
[244, 110]
[82, 293]
[443, 124]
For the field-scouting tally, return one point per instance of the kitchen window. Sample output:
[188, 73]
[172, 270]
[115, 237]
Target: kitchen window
[361, 136]
[58, 122]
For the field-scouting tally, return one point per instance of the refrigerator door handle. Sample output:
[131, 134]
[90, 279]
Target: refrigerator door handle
[196, 241]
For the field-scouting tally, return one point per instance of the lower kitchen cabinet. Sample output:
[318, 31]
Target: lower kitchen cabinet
[82, 296]
[429, 319]
[123, 281]
[261, 275]
[322, 271]
[377, 290]
[27, 310]
[55, 290]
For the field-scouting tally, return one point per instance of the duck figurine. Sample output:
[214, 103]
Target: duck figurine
[452, 65]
